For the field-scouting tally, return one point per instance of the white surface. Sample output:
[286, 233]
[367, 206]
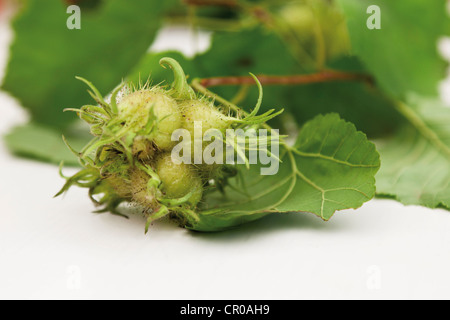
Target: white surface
[56, 248]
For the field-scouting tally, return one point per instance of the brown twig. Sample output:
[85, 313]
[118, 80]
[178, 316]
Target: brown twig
[324, 76]
[219, 3]
[262, 15]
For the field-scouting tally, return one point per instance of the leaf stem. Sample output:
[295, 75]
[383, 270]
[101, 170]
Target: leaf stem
[323, 76]
[422, 127]
[219, 3]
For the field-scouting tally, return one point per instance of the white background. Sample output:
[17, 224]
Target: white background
[57, 249]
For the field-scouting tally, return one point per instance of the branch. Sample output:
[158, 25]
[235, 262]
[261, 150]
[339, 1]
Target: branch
[324, 76]
[220, 3]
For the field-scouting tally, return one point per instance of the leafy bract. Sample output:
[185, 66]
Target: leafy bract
[331, 167]
[46, 55]
[402, 55]
[416, 161]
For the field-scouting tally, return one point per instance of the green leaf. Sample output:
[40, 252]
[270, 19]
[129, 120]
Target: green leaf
[403, 53]
[46, 55]
[43, 143]
[416, 161]
[331, 167]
